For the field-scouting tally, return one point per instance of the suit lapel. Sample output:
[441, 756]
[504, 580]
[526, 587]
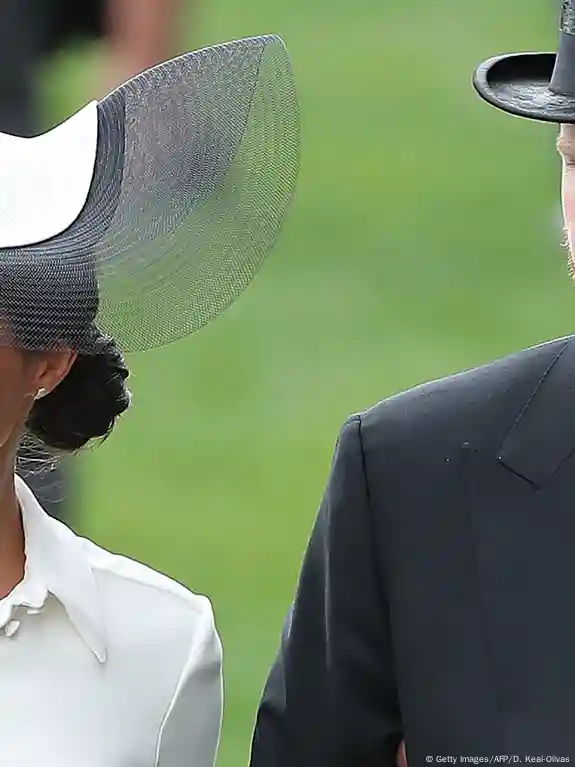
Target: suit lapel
[543, 436]
[522, 503]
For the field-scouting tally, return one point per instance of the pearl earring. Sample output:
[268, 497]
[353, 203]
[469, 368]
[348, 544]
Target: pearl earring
[40, 393]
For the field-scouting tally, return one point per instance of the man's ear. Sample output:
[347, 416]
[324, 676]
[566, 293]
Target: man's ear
[54, 367]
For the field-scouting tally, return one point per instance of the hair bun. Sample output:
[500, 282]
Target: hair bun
[86, 403]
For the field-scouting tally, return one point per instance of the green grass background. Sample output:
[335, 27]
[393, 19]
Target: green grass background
[424, 239]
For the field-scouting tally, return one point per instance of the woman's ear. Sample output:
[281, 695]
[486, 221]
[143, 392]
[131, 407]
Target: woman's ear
[53, 368]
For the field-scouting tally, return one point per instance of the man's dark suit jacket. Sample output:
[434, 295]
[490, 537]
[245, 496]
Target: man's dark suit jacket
[437, 596]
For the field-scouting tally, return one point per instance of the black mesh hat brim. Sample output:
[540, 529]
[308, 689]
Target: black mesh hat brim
[195, 168]
[519, 84]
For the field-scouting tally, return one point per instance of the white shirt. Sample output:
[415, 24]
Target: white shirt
[103, 662]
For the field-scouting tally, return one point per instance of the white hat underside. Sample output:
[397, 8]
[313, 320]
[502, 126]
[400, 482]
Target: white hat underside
[45, 180]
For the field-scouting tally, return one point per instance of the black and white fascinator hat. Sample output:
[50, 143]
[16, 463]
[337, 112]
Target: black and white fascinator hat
[147, 213]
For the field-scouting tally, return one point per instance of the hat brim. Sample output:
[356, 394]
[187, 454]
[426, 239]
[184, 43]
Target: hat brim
[518, 84]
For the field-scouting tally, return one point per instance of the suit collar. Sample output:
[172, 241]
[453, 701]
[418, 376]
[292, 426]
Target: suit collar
[543, 436]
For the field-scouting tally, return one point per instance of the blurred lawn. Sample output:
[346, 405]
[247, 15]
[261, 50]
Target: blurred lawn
[424, 239]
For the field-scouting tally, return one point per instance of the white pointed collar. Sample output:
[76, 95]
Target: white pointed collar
[56, 564]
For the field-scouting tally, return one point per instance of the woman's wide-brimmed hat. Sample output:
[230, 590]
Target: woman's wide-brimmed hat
[539, 86]
[147, 213]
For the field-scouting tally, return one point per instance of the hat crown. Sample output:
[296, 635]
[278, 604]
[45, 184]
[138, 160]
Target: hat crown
[568, 17]
[563, 78]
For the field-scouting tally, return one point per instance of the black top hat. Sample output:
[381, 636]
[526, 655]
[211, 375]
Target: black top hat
[539, 86]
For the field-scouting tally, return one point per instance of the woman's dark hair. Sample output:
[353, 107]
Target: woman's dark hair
[85, 405]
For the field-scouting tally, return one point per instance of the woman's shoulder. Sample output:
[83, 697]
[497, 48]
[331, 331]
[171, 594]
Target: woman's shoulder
[135, 575]
[140, 599]
[164, 652]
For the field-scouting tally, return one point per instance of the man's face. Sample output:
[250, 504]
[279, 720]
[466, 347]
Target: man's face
[566, 147]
